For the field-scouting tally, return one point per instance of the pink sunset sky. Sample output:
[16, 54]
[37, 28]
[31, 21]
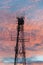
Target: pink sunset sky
[32, 10]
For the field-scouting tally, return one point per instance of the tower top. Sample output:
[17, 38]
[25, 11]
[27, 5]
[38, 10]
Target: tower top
[20, 20]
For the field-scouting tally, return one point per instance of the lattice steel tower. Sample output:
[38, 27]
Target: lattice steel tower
[20, 46]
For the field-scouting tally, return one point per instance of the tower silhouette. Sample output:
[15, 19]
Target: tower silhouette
[20, 45]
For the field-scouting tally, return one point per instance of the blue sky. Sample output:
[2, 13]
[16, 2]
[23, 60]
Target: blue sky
[28, 7]
[16, 6]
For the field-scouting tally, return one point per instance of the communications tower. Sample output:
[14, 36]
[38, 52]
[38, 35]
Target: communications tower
[20, 45]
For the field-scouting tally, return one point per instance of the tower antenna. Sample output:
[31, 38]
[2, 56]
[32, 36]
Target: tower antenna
[20, 45]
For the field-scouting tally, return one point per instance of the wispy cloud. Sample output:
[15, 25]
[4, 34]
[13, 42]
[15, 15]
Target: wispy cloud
[35, 47]
[33, 59]
[35, 0]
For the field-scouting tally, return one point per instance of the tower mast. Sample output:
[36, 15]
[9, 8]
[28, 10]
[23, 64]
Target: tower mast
[20, 45]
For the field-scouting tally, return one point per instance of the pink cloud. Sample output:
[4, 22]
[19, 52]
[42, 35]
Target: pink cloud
[38, 15]
[5, 7]
[24, 10]
[35, 0]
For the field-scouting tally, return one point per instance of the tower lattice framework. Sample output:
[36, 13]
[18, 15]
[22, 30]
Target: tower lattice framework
[20, 45]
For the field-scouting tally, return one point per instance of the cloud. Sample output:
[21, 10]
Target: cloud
[38, 15]
[33, 59]
[35, 47]
[35, 0]
[4, 48]
[7, 47]
[23, 11]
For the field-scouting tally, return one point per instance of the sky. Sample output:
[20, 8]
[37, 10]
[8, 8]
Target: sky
[32, 10]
